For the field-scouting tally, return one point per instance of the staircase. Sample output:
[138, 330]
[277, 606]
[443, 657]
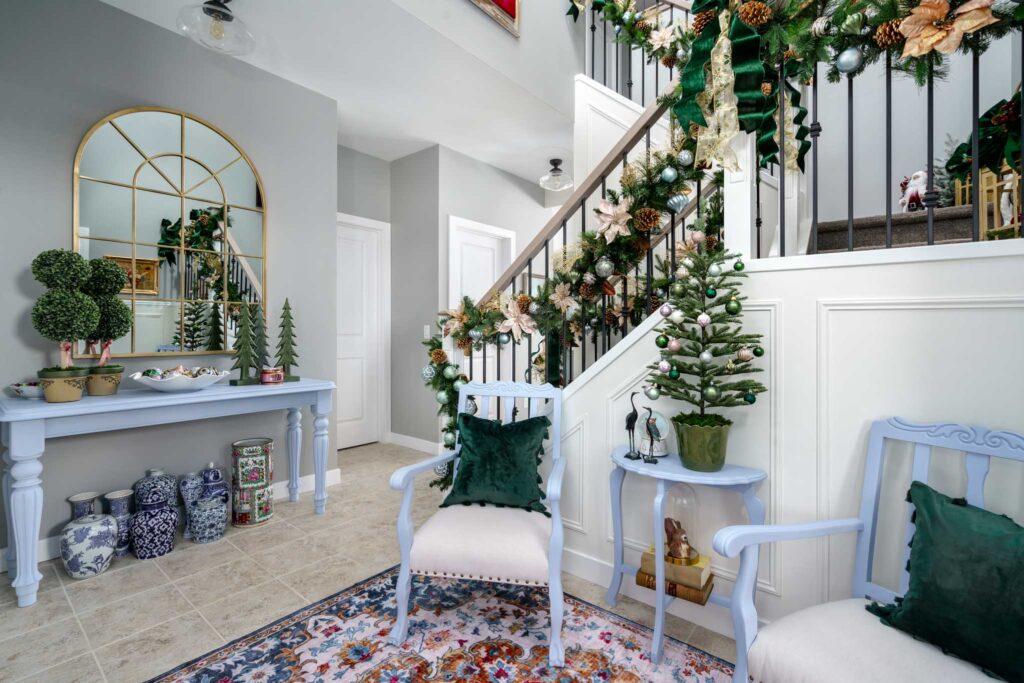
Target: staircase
[950, 224]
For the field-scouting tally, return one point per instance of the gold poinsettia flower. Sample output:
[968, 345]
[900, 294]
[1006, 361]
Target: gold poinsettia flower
[931, 26]
[562, 297]
[456, 318]
[613, 219]
[516, 321]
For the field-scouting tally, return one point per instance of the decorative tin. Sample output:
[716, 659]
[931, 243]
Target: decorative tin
[271, 375]
[252, 475]
[207, 519]
[87, 542]
[214, 484]
[191, 486]
[153, 527]
[119, 502]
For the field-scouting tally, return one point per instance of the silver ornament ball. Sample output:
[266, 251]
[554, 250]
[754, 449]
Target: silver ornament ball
[714, 270]
[685, 157]
[449, 439]
[450, 372]
[677, 202]
[442, 397]
[677, 317]
[688, 262]
[476, 335]
[604, 267]
[706, 357]
[653, 393]
[534, 308]
[428, 373]
[458, 384]
[849, 60]
[470, 407]
[441, 470]
[504, 338]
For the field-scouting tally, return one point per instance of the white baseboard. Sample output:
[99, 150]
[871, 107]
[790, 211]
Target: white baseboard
[49, 548]
[413, 443]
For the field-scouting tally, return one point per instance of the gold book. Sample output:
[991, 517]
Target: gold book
[693, 575]
[697, 595]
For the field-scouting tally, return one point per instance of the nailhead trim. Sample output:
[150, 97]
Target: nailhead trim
[492, 579]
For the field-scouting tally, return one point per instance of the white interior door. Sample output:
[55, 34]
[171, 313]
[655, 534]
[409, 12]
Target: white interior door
[478, 254]
[361, 363]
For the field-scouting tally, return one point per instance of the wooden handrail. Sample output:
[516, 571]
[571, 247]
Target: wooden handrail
[647, 120]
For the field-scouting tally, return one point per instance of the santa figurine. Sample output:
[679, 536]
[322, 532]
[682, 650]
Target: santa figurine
[913, 189]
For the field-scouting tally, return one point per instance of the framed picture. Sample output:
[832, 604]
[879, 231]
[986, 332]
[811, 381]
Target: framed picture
[505, 12]
[146, 274]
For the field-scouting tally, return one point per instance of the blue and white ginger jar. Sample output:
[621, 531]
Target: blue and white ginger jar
[153, 527]
[88, 541]
[207, 519]
[191, 486]
[158, 480]
[214, 484]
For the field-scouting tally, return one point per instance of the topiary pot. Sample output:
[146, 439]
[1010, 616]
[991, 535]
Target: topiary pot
[104, 380]
[62, 385]
[702, 447]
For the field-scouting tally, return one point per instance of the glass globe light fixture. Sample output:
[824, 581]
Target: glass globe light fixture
[214, 26]
[556, 179]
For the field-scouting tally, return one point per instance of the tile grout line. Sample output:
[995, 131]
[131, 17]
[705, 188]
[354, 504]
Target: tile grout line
[85, 634]
[191, 604]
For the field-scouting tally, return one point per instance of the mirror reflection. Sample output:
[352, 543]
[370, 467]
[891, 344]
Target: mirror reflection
[177, 204]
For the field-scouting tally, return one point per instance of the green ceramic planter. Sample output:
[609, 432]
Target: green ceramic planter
[702, 448]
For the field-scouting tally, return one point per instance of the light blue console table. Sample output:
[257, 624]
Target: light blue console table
[27, 424]
[668, 471]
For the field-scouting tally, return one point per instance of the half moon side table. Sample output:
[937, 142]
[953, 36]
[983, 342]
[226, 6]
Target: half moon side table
[25, 425]
[669, 470]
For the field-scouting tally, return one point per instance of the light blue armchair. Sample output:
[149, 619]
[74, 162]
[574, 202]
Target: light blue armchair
[504, 545]
[840, 642]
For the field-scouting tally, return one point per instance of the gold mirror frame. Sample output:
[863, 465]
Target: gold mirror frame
[147, 289]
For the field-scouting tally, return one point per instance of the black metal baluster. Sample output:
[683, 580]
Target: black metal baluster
[888, 150]
[625, 305]
[975, 151]
[758, 220]
[930, 196]
[849, 163]
[672, 243]
[815, 131]
[700, 207]
[650, 279]
[593, 43]
[629, 72]
[782, 157]
[643, 76]
[1020, 188]
[470, 357]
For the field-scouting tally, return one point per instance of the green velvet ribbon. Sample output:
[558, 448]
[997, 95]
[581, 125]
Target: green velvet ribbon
[767, 147]
[692, 79]
[749, 73]
[997, 142]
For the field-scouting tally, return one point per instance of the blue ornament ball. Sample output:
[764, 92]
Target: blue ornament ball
[749, 397]
[849, 60]
[450, 372]
[504, 338]
[669, 175]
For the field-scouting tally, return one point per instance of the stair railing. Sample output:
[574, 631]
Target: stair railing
[537, 261]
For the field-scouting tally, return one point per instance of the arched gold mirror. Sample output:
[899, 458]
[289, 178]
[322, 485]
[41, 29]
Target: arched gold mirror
[177, 204]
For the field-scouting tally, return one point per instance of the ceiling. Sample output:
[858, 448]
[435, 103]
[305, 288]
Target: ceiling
[408, 74]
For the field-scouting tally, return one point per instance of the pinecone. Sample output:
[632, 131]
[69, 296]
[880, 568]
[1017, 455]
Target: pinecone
[702, 19]
[789, 54]
[643, 26]
[888, 34]
[669, 61]
[710, 242]
[653, 302]
[755, 13]
[610, 318]
[646, 219]
[465, 345]
[438, 357]
[587, 291]
[523, 301]
[766, 89]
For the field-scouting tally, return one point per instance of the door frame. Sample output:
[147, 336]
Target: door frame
[456, 224]
[384, 287]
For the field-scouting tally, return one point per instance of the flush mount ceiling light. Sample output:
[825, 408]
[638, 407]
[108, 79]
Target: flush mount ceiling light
[556, 179]
[213, 25]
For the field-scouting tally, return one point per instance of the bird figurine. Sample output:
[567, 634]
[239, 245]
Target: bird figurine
[653, 433]
[631, 418]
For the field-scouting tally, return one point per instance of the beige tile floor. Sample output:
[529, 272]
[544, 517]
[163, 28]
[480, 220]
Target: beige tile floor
[143, 617]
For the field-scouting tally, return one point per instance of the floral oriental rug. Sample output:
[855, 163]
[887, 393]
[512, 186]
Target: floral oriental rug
[459, 632]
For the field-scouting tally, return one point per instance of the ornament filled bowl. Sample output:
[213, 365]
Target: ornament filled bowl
[27, 389]
[179, 379]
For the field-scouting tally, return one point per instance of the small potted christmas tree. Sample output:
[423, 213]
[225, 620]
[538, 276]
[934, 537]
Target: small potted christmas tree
[106, 280]
[64, 315]
[704, 353]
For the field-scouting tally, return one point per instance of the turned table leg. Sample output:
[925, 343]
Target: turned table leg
[659, 564]
[618, 474]
[294, 452]
[23, 494]
[321, 443]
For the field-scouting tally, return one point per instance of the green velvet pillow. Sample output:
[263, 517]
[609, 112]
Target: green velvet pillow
[966, 592]
[498, 463]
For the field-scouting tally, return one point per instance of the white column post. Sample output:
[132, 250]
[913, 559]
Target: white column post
[740, 199]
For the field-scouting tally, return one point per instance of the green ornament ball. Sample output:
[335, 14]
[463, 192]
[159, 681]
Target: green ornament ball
[442, 397]
[712, 393]
[661, 341]
[504, 338]
[758, 351]
[732, 307]
[673, 373]
[450, 372]
[749, 397]
[677, 289]
[738, 266]
[458, 384]
[711, 292]
[449, 439]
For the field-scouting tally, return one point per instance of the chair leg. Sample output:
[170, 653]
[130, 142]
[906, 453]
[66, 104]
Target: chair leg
[556, 652]
[402, 590]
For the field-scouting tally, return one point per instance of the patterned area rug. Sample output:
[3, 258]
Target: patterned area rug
[459, 631]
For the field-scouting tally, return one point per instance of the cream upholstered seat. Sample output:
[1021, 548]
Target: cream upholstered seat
[841, 642]
[483, 542]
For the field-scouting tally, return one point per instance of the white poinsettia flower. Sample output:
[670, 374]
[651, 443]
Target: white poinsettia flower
[662, 38]
[613, 219]
[517, 322]
[562, 297]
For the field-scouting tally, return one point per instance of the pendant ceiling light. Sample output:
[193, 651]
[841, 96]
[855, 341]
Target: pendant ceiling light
[556, 179]
[213, 25]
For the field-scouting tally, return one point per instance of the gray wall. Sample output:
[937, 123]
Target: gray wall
[427, 188]
[68, 63]
[364, 185]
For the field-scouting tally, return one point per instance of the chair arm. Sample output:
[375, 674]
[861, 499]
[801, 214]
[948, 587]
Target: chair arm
[730, 540]
[554, 492]
[403, 476]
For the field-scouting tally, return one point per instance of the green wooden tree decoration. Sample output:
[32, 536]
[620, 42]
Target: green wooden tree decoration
[260, 358]
[215, 336]
[244, 348]
[286, 353]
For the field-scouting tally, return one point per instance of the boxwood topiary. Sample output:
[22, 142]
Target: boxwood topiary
[64, 315]
[61, 269]
[106, 278]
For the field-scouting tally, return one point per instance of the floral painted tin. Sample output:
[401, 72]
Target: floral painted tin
[252, 475]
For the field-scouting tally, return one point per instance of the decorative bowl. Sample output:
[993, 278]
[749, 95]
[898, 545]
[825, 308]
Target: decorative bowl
[179, 382]
[27, 389]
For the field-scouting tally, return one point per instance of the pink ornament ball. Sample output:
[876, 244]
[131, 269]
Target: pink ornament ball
[703, 319]
[665, 310]
[698, 237]
[664, 366]
[745, 354]
[674, 345]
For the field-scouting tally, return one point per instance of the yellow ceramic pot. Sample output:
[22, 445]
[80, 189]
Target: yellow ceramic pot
[103, 381]
[63, 385]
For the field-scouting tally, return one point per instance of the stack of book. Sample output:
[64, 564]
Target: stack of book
[693, 582]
